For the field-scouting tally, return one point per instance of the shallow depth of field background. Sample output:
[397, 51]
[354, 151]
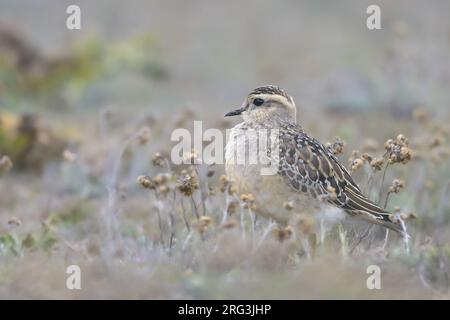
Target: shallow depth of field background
[82, 114]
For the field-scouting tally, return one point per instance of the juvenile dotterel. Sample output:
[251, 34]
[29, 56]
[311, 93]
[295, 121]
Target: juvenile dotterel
[307, 172]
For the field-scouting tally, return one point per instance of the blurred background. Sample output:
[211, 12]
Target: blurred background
[71, 99]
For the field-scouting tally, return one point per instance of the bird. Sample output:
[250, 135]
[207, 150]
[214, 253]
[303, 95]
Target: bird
[306, 172]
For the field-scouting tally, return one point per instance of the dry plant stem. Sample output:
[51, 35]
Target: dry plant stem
[161, 233]
[387, 199]
[306, 246]
[342, 238]
[228, 200]
[368, 182]
[167, 165]
[112, 228]
[361, 237]
[386, 238]
[194, 207]
[183, 213]
[172, 231]
[202, 191]
[253, 222]
[242, 222]
[186, 241]
[323, 231]
[382, 183]
[266, 233]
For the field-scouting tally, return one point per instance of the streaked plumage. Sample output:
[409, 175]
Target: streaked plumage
[305, 166]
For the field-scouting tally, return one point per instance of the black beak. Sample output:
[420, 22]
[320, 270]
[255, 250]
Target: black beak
[235, 112]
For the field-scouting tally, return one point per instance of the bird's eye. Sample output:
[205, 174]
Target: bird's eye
[258, 101]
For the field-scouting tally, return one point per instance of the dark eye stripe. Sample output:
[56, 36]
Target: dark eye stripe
[258, 101]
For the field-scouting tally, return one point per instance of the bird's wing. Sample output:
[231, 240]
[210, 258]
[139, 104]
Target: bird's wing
[310, 167]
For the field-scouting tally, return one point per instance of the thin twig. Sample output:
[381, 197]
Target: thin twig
[387, 199]
[194, 206]
[382, 182]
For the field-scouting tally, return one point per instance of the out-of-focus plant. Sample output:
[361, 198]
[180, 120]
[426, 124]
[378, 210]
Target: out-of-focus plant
[26, 141]
[26, 72]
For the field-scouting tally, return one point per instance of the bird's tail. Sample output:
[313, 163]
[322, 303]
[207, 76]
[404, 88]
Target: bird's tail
[359, 206]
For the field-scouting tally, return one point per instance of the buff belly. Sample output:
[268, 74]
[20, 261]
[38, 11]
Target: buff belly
[271, 191]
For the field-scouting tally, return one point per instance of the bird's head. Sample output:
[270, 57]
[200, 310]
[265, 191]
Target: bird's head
[266, 105]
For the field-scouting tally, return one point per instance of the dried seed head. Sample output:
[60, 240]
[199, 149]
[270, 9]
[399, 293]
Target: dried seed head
[282, 234]
[158, 160]
[227, 185]
[247, 197]
[5, 164]
[248, 201]
[232, 206]
[164, 189]
[336, 147]
[146, 182]
[203, 224]
[398, 150]
[223, 179]
[162, 179]
[187, 183]
[367, 157]
[396, 186]
[402, 139]
[408, 215]
[377, 163]
[205, 220]
[356, 164]
[210, 173]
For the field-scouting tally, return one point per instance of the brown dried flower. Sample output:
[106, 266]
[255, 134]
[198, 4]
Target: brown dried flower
[232, 206]
[337, 146]
[162, 178]
[282, 233]
[203, 224]
[146, 182]
[227, 185]
[248, 201]
[377, 163]
[356, 164]
[396, 186]
[398, 150]
[187, 182]
[158, 160]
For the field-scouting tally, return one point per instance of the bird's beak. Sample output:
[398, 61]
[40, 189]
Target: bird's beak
[235, 112]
